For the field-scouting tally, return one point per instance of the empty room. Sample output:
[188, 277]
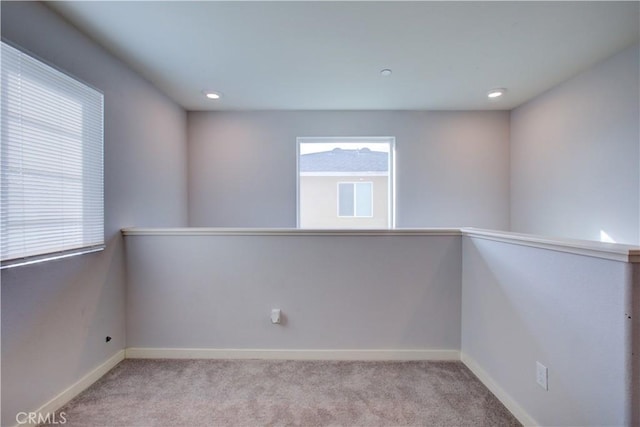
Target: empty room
[314, 213]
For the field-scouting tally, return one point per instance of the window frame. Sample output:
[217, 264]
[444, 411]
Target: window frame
[60, 252]
[391, 184]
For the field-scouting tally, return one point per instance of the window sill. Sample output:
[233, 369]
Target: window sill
[20, 262]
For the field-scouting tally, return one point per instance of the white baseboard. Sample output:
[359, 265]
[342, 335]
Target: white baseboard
[214, 353]
[517, 411]
[78, 387]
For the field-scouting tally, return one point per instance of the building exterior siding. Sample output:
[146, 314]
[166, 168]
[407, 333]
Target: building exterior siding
[319, 202]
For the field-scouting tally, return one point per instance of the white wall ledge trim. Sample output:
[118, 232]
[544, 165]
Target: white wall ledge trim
[214, 231]
[592, 248]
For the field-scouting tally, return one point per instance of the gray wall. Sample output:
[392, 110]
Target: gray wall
[452, 167]
[337, 292]
[55, 315]
[575, 155]
[569, 312]
[504, 305]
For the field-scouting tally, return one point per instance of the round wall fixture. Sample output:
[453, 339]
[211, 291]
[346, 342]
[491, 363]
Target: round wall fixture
[496, 93]
[386, 72]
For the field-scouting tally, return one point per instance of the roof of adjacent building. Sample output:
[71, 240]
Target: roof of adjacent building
[343, 160]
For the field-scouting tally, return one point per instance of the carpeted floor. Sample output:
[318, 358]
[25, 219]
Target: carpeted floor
[260, 393]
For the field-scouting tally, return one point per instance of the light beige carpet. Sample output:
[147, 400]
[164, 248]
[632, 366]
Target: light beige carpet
[286, 393]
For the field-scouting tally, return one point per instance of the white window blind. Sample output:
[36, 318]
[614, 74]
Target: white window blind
[51, 162]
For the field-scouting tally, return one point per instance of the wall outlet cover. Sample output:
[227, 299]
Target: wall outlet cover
[542, 375]
[275, 315]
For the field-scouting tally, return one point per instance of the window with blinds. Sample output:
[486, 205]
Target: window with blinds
[51, 159]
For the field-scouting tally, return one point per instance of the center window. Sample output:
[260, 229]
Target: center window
[345, 182]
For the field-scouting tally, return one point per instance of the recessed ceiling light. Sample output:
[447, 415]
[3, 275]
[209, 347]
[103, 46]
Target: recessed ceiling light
[386, 72]
[496, 93]
[211, 94]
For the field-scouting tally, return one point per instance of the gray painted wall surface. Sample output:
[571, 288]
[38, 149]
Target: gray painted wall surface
[337, 292]
[521, 305]
[55, 315]
[452, 168]
[506, 306]
[575, 155]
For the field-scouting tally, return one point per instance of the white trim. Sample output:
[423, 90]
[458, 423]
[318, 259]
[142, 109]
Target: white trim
[213, 231]
[19, 262]
[610, 251]
[336, 139]
[503, 396]
[592, 248]
[278, 354]
[78, 387]
[346, 175]
[392, 184]
[298, 182]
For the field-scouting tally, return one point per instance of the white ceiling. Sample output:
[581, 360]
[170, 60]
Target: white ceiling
[328, 55]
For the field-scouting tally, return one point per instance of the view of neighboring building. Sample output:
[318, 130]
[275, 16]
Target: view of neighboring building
[344, 188]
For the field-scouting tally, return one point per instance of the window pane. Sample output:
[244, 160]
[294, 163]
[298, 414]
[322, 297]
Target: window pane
[364, 199]
[345, 199]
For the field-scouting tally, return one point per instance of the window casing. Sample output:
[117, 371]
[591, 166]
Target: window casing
[51, 158]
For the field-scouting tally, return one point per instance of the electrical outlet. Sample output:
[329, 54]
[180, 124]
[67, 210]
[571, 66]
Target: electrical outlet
[542, 375]
[275, 316]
